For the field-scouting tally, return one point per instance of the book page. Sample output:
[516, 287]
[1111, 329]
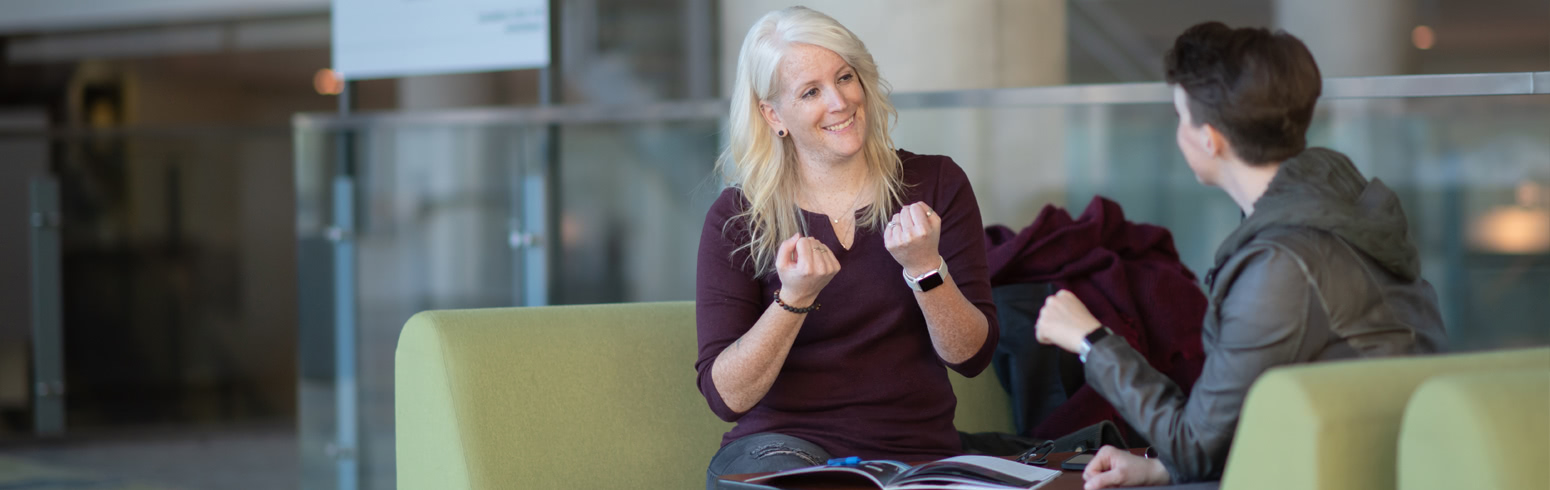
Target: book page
[879, 472]
[977, 471]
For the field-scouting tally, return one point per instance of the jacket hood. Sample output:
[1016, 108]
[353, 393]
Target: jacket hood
[1320, 188]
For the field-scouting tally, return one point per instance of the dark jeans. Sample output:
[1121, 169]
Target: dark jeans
[762, 452]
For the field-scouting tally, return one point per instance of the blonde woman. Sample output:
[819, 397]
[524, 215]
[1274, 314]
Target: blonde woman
[837, 276]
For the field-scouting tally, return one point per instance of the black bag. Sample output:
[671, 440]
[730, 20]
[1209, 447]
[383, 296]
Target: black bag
[1088, 438]
[1038, 378]
[1091, 438]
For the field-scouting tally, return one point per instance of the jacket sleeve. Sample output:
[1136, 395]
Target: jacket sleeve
[1262, 318]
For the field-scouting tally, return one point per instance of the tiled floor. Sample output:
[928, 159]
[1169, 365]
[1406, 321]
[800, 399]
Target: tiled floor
[182, 459]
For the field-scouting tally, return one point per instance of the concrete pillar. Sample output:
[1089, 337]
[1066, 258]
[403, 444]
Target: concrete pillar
[439, 189]
[1358, 39]
[923, 45]
[446, 91]
[1353, 39]
[1015, 157]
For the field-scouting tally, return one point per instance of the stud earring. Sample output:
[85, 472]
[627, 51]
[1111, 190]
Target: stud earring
[781, 133]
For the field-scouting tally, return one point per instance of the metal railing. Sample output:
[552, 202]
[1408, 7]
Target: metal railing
[1399, 86]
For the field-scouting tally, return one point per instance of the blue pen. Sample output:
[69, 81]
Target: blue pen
[850, 461]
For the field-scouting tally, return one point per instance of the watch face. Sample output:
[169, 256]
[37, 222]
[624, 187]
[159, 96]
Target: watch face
[930, 281]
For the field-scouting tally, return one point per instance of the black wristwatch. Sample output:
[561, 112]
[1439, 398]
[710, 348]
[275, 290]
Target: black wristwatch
[1092, 339]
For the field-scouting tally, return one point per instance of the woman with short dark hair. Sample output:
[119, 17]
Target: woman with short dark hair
[1322, 267]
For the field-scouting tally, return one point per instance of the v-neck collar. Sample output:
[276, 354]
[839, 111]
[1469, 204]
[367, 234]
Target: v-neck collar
[829, 237]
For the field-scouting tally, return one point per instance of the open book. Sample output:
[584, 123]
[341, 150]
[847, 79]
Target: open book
[957, 473]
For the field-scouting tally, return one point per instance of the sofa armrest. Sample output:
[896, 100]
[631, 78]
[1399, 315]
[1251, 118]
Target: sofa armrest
[552, 397]
[428, 440]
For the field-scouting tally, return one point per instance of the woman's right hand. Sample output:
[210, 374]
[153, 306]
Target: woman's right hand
[805, 266]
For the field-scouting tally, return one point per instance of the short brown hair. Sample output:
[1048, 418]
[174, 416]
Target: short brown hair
[1255, 86]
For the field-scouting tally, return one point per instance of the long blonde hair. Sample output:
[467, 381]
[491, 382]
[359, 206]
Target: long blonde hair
[764, 167]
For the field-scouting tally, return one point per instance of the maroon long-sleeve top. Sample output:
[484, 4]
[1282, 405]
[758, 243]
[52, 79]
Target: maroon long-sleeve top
[862, 377]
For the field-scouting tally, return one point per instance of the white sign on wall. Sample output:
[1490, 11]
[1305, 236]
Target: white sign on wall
[394, 38]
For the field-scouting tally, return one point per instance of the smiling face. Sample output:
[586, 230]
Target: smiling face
[820, 104]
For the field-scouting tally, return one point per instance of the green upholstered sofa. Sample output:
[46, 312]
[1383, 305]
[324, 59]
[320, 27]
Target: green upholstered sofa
[1488, 430]
[573, 397]
[1336, 425]
[605, 397]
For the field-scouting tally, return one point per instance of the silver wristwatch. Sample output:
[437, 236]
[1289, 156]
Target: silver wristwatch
[925, 282]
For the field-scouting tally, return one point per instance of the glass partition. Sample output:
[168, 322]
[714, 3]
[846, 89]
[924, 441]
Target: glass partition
[393, 221]
[632, 201]
[478, 208]
[1473, 173]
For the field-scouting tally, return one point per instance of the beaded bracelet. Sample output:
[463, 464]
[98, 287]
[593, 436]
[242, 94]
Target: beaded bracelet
[793, 309]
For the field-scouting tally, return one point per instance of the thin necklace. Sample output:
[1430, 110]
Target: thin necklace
[836, 220]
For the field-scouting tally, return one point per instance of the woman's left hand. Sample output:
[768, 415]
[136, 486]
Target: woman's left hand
[912, 237]
[1118, 468]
